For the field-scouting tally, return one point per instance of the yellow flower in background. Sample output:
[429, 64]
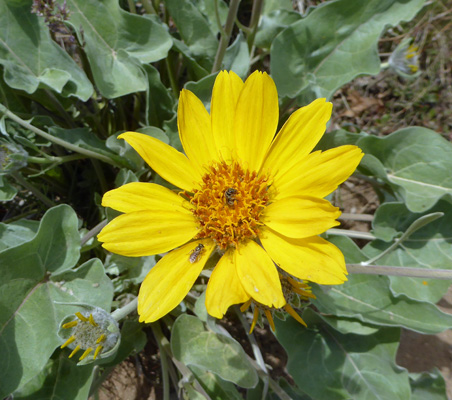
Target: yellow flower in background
[254, 197]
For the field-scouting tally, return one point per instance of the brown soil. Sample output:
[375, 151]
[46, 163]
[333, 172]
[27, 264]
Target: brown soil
[419, 353]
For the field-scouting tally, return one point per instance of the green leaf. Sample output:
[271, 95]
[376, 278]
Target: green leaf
[30, 317]
[335, 43]
[194, 30]
[16, 233]
[194, 345]
[237, 57]
[60, 379]
[117, 43]
[200, 307]
[11, 99]
[31, 59]
[55, 248]
[418, 162]
[428, 385]
[159, 101]
[207, 7]
[7, 191]
[133, 340]
[85, 139]
[125, 151]
[127, 270]
[203, 89]
[190, 61]
[345, 325]
[378, 306]
[215, 387]
[87, 284]
[353, 299]
[328, 365]
[272, 5]
[428, 247]
[273, 23]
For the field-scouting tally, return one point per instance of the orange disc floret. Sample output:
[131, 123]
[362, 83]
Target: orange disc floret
[229, 204]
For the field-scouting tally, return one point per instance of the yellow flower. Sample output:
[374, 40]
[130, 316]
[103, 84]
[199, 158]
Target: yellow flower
[254, 197]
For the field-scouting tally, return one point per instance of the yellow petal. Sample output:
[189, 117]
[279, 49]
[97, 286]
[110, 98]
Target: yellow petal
[226, 91]
[313, 258]
[256, 119]
[298, 137]
[301, 216]
[166, 285]
[193, 122]
[224, 288]
[320, 173]
[139, 196]
[144, 233]
[169, 163]
[258, 275]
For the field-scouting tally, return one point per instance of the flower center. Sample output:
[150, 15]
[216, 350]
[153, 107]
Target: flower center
[229, 204]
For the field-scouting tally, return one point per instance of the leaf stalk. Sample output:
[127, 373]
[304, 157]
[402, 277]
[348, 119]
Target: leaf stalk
[224, 40]
[56, 140]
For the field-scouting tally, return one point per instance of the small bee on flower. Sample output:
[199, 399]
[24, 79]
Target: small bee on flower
[229, 195]
[195, 255]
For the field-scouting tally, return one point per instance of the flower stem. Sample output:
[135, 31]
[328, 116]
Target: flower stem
[132, 7]
[147, 4]
[183, 369]
[352, 234]
[156, 330]
[217, 17]
[357, 217]
[258, 5]
[60, 108]
[416, 225]
[224, 40]
[400, 271]
[123, 312]
[256, 350]
[100, 175]
[36, 192]
[57, 160]
[56, 140]
[172, 79]
[93, 232]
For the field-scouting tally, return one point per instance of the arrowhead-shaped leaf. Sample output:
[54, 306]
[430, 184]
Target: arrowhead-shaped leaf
[31, 59]
[328, 365]
[335, 43]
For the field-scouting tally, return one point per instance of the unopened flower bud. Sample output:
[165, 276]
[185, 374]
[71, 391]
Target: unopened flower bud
[93, 330]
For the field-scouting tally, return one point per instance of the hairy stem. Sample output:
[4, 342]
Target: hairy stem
[123, 312]
[36, 192]
[93, 231]
[256, 351]
[399, 271]
[258, 5]
[224, 40]
[56, 140]
[350, 233]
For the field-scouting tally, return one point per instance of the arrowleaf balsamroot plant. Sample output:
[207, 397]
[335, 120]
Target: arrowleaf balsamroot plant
[173, 173]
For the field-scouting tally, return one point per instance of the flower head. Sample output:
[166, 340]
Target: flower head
[93, 331]
[404, 60]
[255, 198]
